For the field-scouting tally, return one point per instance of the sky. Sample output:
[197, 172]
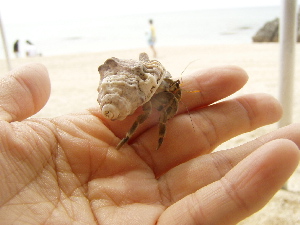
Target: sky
[30, 10]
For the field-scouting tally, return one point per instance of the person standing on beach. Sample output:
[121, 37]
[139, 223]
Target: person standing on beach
[16, 48]
[152, 37]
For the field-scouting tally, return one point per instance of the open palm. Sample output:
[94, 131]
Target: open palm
[66, 170]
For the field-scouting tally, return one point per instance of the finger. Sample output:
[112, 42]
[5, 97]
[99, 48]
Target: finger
[242, 191]
[208, 86]
[210, 83]
[201, 171]
[211, 126]
[23, 92]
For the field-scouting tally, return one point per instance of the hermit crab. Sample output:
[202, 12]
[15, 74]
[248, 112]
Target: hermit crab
[126, 84]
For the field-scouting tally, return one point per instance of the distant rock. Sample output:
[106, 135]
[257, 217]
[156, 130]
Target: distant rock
[269, 32]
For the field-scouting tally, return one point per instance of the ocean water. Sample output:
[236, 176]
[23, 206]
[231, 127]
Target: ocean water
[94, 33]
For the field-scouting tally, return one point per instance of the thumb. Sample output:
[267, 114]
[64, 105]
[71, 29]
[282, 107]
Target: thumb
[23, 92]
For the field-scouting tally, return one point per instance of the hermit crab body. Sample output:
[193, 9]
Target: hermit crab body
[127, 84]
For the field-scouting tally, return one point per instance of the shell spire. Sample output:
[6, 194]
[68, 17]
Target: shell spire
[126, 84]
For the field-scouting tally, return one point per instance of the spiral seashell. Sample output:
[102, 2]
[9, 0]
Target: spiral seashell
[127, 84]
[110, 111]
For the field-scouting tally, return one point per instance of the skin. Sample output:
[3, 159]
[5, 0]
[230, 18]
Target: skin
[66, 170]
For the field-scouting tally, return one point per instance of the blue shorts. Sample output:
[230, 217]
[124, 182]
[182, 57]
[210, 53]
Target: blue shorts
[151, 41]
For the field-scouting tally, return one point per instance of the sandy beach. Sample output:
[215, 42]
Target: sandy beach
[75, 78]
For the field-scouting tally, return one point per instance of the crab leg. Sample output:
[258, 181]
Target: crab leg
[147, 108]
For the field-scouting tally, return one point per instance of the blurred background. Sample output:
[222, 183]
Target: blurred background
[66, 27]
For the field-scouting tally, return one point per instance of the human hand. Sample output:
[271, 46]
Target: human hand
[66, 170]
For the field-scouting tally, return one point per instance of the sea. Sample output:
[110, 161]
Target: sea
[96, 33]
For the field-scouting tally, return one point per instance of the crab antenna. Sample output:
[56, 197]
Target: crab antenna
[187, 67]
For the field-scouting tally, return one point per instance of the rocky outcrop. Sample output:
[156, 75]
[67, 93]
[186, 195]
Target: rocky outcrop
[270, 32]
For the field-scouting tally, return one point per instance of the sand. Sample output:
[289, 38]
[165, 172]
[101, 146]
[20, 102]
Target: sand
[75, 79]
